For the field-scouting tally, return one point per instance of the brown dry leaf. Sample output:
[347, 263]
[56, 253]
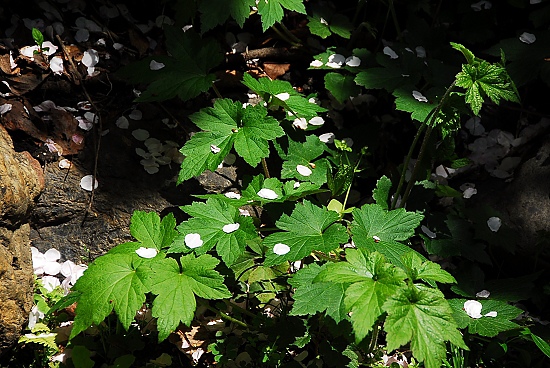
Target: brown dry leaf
[5, 65]
[18, 119]
[21, 84]
[138, 40]
[193, 341]
[65, 128]
[275, 70]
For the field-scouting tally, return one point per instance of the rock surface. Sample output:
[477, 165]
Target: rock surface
[21, 181]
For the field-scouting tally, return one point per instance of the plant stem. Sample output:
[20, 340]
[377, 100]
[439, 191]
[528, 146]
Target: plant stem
[284, 36]
[266, 170]
[395, 22]
[216, 91]
[374, 337]
[224, 315]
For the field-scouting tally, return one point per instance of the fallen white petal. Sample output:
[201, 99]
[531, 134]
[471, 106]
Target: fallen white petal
[4, 108]
[317, 121]
[419, 96]
[483, 294]
[82, 35]
[193, 240]
[296, 185]
[473, 308]
[281, 249]
[267, 193]
[136, 115]
[527, 38]
[215, 149]
[64, 164]
[469, 192]
[229, 228]
[122, 122]
[388, 51]
[147, 252]
[491, 314]
[155, 65]
[56, 65]
[303, 170]
[140, 134]
[353, 61]
[90, 58]
[48, 48]
[428, 232]
[283, 96]
[327, 137]
[232, 195]
[52, 255]
[494, 223]
[316, 63]
[420, 51]
[336, 61]
[300, 123]
[86, 183]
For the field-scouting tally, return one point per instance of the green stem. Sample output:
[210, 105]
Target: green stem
[430, 121]
[224, 315]
[291, 35]
[216, 91]
[240, 309]
[374, 337]
[266, 170]
[284, 37]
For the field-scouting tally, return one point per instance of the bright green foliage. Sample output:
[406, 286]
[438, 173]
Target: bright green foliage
[224, 126]
[486, 325]
[405, 101]
[214, 13]
[208, 220]
[268, 90]
[176, 286]
[40, 334]
[376, 229]
[186, 71]
[382, 192]
[481, 78]
[308, 228]
[272, 11]
[373, 281]
[342, 87]
[388, 78]
[304, 153]
[311, 298]
[418, 269]
[37, 36]
[420, 315]
[151, 232]
[114, 281]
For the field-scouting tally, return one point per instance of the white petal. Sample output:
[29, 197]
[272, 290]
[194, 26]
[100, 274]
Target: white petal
[419, 96]
[281, 249]
[336, 61]
[353, 61]
[327, 137]
[64, 164]
[4, 108]
[388, 51]
[483, 294]
[147, 252]
[122, 122]
[469, 192]
[86, 183]
[52, 255]
[267, 193]
[283, 96]
[48, 48]
[420, 51]
[28, 51]
[232, 195]
[296, 185]
[300, 123]
[303, 170]
[56, 65]
[481, 5]
[494, 223]
[82, 35]
[317, 121]
[193, 240]
[316, 63]
[140, 134]
[155, 65]
[90, 58]
[52, 268]
[527, 38]
[428, 232]
[491, 314]
[136, 115]
[229, 228]
[215, 149]
[50, 282]
[473, 308]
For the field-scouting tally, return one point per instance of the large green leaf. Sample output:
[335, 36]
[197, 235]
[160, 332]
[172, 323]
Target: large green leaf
[225, 125]
[303, 154]
[272, 11]
[341, 87]
[214, 14]
[186, 71]
[215, 222]
[177, 286]
[308, 228]
[421, 315]
[150, 231]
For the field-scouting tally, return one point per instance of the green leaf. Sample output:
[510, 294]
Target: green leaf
[224, 125]
[419, 269]
[541, 344]
[324, 21]
[406, 101]
[373, 281]
[470, 58]
[296, 103]
[215, 221]
[37, 36]
[176, 287]
[80, 356]
[308, 228]
[341, 87]
[311, 298]
[186, 71]
[112, 281]
[376, 229]
[304, 154]
[486, 326]
[381, 193]
[150, 231]
[272, 11]
[213, 14]
[389, 78]
[421, 315]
